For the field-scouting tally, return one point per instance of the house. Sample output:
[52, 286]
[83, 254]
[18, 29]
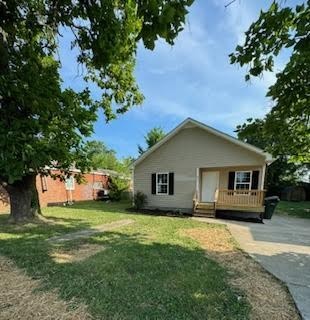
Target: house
[196, 168]
[53, 191]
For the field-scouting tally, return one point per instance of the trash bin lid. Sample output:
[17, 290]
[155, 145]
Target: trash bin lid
[273, 198]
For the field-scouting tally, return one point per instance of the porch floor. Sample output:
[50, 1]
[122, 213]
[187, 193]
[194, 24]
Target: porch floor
[208, 209]
[232, 207]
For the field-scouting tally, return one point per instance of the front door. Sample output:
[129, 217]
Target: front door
[209, 184]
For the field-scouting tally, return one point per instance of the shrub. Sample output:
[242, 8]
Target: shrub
[140, 200]
[117, 186]
[178, 212]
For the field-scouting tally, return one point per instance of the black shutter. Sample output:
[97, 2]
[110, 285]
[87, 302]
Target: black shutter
[231, 180]
[255, 175]
[153, 183]
[171, 183]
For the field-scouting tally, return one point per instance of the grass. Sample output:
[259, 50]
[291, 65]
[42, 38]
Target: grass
[297, 209]
[146, 270]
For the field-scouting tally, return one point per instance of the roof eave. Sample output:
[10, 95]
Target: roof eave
[268, 157]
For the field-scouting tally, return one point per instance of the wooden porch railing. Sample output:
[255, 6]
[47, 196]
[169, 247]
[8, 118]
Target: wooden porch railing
[195, 200]
[246, 198]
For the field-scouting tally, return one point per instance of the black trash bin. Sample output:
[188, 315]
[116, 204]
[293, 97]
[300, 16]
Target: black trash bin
[270, 205]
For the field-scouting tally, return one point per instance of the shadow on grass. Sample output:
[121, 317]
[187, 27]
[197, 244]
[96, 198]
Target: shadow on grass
[133, 278]
[40, 228]
[98, 206]
[124, 207]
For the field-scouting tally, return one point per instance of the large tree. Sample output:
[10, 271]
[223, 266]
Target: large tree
[102, 157]
[277, 29]
[43, 124]
[282, 172]
[151, 138]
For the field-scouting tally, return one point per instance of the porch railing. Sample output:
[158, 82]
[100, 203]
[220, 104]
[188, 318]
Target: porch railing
[246, 198]
[195, 200]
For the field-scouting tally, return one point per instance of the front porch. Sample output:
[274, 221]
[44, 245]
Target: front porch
[244, 190]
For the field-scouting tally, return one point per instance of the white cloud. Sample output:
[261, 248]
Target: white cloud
[237, 17]
[190, 51]
[194, 77]
[223, 109]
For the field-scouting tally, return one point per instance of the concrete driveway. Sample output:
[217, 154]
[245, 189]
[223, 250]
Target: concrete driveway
[282, 246]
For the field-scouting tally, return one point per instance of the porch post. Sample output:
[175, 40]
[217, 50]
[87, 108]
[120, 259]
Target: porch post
[263, 177]
[197, 184]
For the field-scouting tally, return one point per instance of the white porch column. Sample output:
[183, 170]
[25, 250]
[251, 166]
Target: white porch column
[197, 184]
[263, 177]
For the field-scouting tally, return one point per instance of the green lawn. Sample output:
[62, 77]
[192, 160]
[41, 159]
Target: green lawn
[298, 209]
[148, 270]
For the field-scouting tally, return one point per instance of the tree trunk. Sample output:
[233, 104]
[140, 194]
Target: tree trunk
[24, 200]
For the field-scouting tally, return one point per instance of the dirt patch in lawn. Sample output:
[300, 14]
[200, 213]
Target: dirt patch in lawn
[268, 297]
[20, 298]
[76, 255]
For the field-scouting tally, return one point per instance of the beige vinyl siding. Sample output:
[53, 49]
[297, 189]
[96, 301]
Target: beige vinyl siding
[223, 183]
[189, 149]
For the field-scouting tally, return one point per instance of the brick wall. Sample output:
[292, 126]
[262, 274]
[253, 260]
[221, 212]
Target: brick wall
[54, 191]
[4, 200]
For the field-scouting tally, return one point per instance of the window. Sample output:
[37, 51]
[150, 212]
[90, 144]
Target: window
[69, 182]
[98, 185]
[43, 183]
[162, 183]
[243, 180]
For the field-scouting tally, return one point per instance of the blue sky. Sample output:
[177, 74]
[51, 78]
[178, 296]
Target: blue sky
[191, 79]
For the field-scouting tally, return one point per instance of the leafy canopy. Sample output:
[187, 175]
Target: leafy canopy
[277, 29]
[282, 172]
[151, 138]
[40, 121]
[101, 157]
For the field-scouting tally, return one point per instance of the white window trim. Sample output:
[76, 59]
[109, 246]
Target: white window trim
[250, 183]
[162, 194]
[44, 184]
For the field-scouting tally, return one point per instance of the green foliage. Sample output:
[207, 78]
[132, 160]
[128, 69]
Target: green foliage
[276, 29]
[151, 138]
[282, 172]
[116, 187]
[101, 157]
[147, 270]
[295, 209]
[252, 132]
[42, 123]
[140, 200]
[126, 165]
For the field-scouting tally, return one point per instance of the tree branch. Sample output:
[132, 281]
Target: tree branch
[229, 3]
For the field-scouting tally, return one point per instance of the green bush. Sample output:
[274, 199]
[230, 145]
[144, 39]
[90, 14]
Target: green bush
[140, 200]
[117, 186]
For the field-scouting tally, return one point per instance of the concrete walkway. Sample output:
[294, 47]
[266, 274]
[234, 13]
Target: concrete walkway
[282, 246]
[86, 233]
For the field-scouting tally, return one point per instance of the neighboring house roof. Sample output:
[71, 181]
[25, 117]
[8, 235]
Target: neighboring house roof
[190, 121]
[104, 172]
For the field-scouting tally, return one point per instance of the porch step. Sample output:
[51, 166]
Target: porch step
[204, 213]
[206, 205]
[205, 209]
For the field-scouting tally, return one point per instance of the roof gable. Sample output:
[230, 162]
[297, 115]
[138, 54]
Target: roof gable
[189, 122]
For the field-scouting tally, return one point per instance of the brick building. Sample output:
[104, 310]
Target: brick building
[56, 192]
